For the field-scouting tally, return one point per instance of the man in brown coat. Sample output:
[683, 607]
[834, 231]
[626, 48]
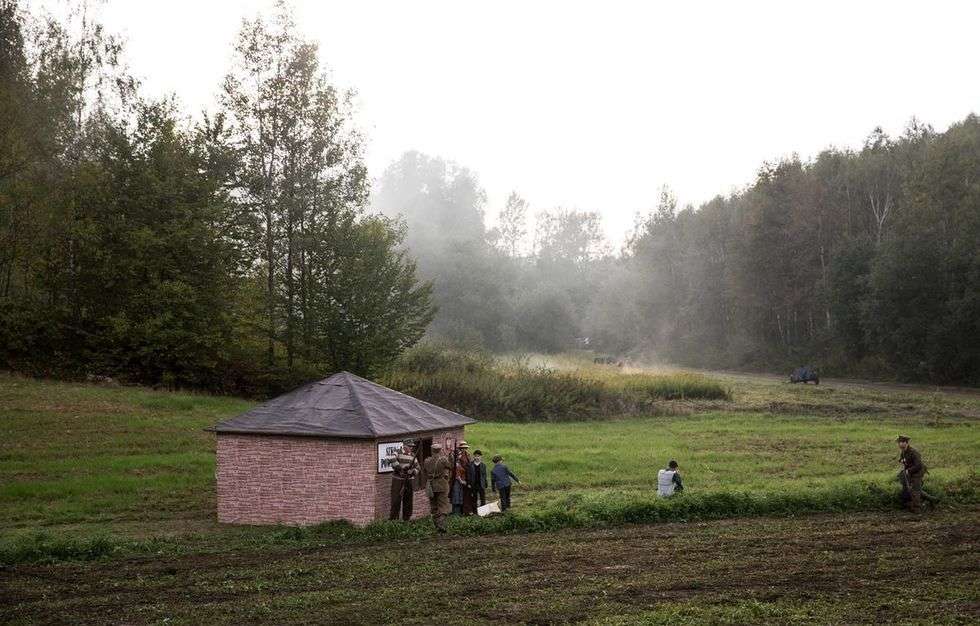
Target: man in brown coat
[914, 470]
[438, 469]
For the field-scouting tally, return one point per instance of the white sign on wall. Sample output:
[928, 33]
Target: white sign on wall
[386, 450]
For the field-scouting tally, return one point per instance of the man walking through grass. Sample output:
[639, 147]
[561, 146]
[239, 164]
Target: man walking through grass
[914, 470]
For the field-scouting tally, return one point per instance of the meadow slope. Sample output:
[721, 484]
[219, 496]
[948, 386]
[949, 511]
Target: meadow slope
[82, 459]
[107, 514]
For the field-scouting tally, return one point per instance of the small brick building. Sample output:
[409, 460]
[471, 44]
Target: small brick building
[319, 453]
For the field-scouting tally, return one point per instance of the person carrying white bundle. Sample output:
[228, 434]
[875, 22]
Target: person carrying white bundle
[669, 480]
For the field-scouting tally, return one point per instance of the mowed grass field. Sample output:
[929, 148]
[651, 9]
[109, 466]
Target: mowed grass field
[128, 473]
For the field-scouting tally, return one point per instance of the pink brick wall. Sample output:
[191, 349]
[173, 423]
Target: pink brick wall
[294, 480]
[304, 480]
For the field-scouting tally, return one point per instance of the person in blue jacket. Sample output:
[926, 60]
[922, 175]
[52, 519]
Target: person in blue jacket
[500, 480]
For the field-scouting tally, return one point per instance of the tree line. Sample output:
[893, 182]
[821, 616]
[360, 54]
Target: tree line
[232, 252]
[861, 262]
[248, 249]
[865, 262]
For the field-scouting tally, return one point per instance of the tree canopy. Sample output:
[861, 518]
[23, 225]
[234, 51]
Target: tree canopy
[227, 253]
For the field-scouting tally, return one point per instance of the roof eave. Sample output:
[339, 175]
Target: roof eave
[363, 437]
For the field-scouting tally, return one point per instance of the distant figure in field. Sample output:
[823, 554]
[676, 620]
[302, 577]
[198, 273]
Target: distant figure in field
[911, 475]
[669, 480]
[500, 479]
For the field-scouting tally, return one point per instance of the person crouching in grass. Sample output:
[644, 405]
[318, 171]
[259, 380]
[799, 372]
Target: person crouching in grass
[669, 480]
[500, 479]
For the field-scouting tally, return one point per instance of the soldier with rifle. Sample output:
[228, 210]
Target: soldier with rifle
[913, 471]
[439, 470]
[405, 468]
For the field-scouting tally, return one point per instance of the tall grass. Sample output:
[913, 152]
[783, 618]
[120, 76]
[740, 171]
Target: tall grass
[474, 384]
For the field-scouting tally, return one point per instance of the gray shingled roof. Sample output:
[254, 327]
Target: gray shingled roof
[343, 405]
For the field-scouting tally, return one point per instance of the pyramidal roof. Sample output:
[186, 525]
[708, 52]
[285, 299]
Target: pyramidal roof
[343, 405]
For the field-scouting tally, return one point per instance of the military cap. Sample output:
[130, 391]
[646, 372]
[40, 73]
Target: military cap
[904, 438]
[408, 442]
[436, 445]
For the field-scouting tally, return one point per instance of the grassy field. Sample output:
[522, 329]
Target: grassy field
[120, 474]
[138, 462]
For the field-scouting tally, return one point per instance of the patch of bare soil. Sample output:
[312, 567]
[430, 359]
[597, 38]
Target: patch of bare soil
[571, 573]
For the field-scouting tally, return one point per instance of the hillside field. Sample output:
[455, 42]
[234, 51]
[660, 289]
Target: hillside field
[110, 491]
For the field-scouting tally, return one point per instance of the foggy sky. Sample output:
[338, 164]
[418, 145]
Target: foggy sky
[596, 105]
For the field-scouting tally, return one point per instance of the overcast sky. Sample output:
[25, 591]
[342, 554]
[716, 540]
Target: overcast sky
[596, 105]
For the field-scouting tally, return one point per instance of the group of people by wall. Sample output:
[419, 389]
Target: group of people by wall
[470, 481]
[455, 481]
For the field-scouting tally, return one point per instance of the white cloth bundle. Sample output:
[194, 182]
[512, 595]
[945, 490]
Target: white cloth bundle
[487, 509]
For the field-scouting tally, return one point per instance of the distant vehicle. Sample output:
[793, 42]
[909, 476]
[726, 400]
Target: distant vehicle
[804, 375]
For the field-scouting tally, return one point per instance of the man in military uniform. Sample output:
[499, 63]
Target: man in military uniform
[405, 468]
[914, 470]
[438, 469]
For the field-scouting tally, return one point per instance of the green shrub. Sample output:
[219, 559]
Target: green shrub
[433, 357]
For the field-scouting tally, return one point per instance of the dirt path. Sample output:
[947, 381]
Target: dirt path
[854, 569]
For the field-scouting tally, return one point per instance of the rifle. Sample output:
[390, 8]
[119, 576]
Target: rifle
[453, 473]
[415, 460]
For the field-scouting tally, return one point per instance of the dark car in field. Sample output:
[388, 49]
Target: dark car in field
[804, 375]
